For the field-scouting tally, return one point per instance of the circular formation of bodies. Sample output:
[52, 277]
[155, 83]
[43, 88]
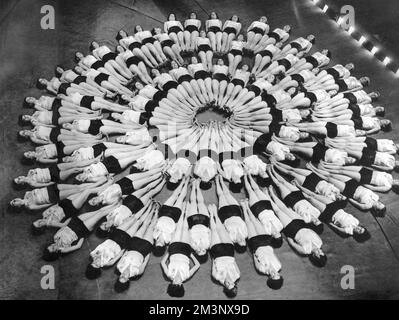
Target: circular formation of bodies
[279, 103]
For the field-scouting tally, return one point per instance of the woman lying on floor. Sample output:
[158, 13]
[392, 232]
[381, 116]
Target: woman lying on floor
[198, 220]
[114, 164]
[260, 206]
[294, 199]
[170, 49]
[71, 236]
[153, 45]
[365, 155]
[107, 253]
[101, 127]
[56, 87]
[359, 196]
[229, 213]
[365, 125]
[131, 183]
[56, 117]
[309, 180]
[300, 237]
[90, 62]
[169, 215]
[133, 262]
[259, 244]
[135, 64]
[224, 266]
[136, 47]
[350, 111]
[315, 151]
[332, 213]
[42, 135]
[179, 256]
[192, 27]
[371, 179]
[67, 208]
[70, 76]
[45, 197]
[381, 145]
[130, 205]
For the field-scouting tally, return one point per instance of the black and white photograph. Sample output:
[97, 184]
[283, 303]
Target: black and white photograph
[209, 152]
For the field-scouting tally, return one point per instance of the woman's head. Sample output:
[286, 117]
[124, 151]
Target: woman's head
[220, 62]
[59, 70]
[287, 28]
[79, 56]
[379, 111]
[193, 15]
[174, 65]
[176, 290]
[92, 272]
[327, 53]
[93, 45]
[24, 119]
[350, 66]
[263, 19]
[365, 81]
[121, 34]
[386, 125]
[24, 134]
[155, 72]
[38, 227]
[378, 209]
[245, 67]
[318, 258]
[213, 15]
[374, 95]
[172, 17]
[50, 253]
[240, 37]
[360, 234]
[202, 34]
[156, 30]
[139, 85]
[29, 102]
[41, 84]
[121, 286]
[194, 60]
[235, 18]
[230, 292]
[311, 38]
[138, 28]
[275, 282]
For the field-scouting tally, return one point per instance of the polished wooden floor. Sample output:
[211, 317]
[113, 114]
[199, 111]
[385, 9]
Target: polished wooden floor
[27, 52]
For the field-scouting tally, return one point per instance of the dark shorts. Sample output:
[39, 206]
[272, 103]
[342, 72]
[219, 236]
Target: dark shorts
[201, 74]
[220, 77]
[238, 82]
[230, 30]
[214, 29]
[167, 43]
[204, 48]
[257, 31]
[174, 29]
[191, 28]
[236, 52]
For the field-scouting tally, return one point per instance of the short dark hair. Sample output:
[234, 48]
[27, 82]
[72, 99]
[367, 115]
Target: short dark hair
[40, 86]
[175, 290]
[387, 127]
[50, 256]
[121, 286]
[58, 74]
[91, 47]
[230, 293]
[27, 104]
[319, 261]
[275, 284]
[92, 272]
